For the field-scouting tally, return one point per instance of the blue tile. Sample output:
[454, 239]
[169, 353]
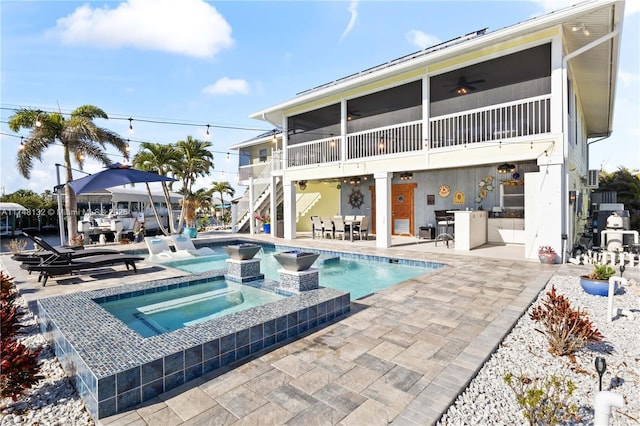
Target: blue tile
[257, 346]
[228, 343]
[106, 388]
[269, 328]
[242, 352]
[127, 380]
[256, 333]
[303, 315]
[292, 320]
[210, 364]
[152, 371]
[211, 349]
[281, 323]
[193, 372]
[107, 408]
[173, 363]
[227, 358]
[129, 399]
[173, 380]
[193, 356]
[242, 338]
[152, 389]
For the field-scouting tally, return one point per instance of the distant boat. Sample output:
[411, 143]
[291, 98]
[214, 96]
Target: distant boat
[116, 210]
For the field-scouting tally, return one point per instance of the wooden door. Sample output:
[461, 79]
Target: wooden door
[402, 208]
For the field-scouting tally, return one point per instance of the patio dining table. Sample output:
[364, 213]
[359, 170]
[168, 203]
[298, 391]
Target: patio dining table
[350, 223]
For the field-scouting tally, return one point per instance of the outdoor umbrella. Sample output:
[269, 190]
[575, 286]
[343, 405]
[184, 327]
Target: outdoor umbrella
[115, 175]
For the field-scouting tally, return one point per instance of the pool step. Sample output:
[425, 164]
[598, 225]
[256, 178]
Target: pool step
[327, 258]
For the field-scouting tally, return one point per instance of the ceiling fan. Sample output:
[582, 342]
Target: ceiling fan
[463, 86]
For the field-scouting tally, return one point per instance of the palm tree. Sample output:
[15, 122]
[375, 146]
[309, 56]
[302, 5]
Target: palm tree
[161, 159]
[79, 137]
[197, 161]
[222, 188]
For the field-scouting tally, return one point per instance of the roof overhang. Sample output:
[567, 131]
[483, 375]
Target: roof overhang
[598, 65]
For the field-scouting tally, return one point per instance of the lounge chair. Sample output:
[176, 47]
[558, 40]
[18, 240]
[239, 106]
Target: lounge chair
[361, 229]
[183, 242]
[159, 249]
[51, 255]
[76, 265]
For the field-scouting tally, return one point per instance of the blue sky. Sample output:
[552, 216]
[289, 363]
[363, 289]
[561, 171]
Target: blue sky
[196, 63]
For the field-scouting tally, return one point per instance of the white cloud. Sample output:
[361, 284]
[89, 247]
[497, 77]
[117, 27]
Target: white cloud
[628, 79]
[353, 10]
[227, 86]
[188, 27]
[422, 40]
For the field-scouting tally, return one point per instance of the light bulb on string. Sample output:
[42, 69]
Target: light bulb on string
[130, 125]
[207, 134]
[21, 143]
[228, 156]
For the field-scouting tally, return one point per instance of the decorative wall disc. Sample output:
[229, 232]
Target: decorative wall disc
[444, 191]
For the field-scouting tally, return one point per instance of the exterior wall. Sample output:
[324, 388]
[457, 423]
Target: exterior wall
[327, 203]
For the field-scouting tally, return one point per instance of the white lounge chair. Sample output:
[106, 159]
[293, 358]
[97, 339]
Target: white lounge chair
[159, 249]
[183, 242]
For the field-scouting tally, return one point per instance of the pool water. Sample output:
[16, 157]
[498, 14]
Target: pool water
[164, 311]
[360, 277]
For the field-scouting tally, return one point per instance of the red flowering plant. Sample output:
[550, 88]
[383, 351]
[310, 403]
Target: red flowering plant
[266, 219]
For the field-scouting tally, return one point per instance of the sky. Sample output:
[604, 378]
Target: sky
[175, 67]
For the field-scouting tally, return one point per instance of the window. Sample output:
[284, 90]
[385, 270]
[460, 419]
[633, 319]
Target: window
[262, 155]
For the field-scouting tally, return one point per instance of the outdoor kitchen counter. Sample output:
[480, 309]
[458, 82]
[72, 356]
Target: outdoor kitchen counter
[471, 228]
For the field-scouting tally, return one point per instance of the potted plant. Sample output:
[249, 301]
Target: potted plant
[190, 206]
[597, 282]
[547, 255]
[266, 223]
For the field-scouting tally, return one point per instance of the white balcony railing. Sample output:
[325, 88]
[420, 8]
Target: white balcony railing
[405, 137]
[254, 170]
[527, 117]
[320, 151]
[502, 122]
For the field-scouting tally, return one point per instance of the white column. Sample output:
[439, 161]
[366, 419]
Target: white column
[289, 209]
[272, 205]
[234, 216]
[426, 129]
[383, 209]
[252, 212]
[343, 130]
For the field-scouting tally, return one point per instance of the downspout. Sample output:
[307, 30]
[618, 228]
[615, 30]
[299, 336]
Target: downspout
[565, 123]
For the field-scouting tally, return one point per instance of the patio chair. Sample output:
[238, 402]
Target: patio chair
[327, 227]
[159, 249]
[316, 227]
[50, 254]
[338, 227]
[183, 242]
[362, 229]
[76, 265]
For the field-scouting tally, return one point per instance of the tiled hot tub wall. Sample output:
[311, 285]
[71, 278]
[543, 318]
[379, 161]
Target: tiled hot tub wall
[113, 368]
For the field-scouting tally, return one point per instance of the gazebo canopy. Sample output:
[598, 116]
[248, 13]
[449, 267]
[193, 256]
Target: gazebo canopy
[12, 207]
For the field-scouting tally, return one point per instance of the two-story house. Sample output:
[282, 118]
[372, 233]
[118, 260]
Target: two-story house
[497, 121]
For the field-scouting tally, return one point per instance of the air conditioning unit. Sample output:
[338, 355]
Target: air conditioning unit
[593, 179]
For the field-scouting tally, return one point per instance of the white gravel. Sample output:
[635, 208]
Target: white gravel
[486, 401]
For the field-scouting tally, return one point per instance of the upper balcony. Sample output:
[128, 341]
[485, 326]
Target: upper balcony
[499, 123]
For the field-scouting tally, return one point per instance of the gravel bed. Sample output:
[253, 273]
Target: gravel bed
[486, 401]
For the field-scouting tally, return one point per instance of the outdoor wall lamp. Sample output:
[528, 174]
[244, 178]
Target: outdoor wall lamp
[406, 176]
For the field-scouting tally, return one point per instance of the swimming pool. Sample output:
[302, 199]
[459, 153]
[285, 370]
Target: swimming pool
[359, 276]
[170, 310]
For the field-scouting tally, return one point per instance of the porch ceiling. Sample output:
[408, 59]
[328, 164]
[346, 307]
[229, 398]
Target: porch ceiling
[595, 71]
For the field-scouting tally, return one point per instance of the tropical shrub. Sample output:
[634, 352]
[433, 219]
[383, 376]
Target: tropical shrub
[543, 402]
[567, 330]
[19, 366]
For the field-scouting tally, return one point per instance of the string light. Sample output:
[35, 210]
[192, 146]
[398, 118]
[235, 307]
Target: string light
[228, 156]
[130, 125]
[207, 132]
[21, 143]
[38, 122]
